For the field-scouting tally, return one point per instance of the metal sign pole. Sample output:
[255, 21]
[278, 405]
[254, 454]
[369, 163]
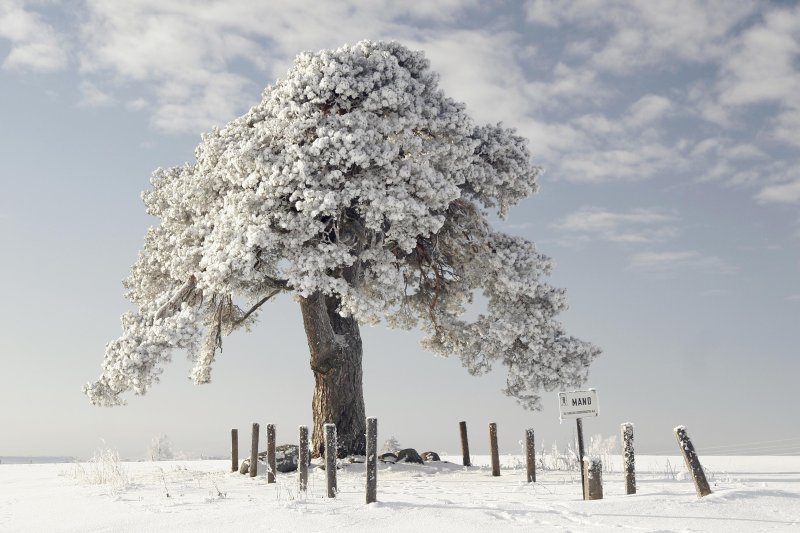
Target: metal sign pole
[580, 456]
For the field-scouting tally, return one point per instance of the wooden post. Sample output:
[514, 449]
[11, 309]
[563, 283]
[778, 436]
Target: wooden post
[692, 462]
[593, 472]
[271, 470]
[493, 447]
[330, 458]
[372, 460]
[234, 450]
[580, 456]
[530, 455]
[628, 460]
[464, 443]
[302, 465]
[254, 452]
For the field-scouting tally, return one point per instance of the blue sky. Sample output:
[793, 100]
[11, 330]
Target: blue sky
[670, 135]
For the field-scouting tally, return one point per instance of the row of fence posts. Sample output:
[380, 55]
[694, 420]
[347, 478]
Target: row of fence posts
[591, 469]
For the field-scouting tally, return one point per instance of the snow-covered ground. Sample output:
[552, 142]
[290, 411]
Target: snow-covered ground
[750, 494]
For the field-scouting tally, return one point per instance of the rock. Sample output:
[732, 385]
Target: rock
[430, 456]
[286, 459]
[388, 458]
[409, 455]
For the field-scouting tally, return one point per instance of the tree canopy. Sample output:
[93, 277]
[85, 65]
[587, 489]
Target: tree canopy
[354, 177]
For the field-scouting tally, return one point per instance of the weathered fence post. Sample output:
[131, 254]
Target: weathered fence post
[462, 426]
[692, 462]
[330, 458]
[593, 473]
[372, 460]
[530, 455]
[302, 464]
[493, 447]
[254, 452]
[579, 425]
[628, 459]
[234, 450]
[271, 470]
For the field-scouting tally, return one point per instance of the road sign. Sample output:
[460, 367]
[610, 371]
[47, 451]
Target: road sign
[577, 404]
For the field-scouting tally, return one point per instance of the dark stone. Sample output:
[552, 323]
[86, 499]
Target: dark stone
[388, 458]
[430, 456]
[409, 455]
[286, 459]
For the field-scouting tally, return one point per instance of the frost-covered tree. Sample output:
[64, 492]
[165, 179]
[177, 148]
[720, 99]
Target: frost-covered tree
[160, 449]
[357, 186]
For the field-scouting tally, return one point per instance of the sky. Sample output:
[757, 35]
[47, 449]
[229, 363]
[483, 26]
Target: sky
[670, 203]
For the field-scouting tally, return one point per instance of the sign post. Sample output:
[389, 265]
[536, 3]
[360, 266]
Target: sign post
[578, 404]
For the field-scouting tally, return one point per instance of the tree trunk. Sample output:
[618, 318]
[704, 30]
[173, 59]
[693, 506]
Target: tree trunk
[335, 346]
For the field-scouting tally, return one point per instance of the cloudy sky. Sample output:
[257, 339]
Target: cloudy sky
[670, 134]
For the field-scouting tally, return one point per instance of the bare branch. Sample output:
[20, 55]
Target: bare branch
[253, 309]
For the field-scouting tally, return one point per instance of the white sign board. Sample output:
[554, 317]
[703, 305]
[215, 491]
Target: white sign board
[577, 404]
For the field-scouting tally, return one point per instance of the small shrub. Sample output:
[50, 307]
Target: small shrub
[104, 468]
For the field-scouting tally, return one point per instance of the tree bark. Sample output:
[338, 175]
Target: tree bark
[335, 345]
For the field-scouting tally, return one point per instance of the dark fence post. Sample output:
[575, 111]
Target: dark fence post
[593, 473]
[579, 425]
[628, 459]
[692, 462]
[234, 450]
[464, 443]
[530, 455]
[254, 452]
[330, 458]
[372, 460]
[271, 470]
[302, 465]
[493, 447]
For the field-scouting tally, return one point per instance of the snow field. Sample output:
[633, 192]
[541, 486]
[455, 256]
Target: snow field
[750, 494]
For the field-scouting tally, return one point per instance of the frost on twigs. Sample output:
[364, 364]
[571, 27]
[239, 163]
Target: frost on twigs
[355, 177]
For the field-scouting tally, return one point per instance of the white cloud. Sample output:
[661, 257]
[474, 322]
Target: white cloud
[35, 45]
[647, 109]
[634, 227]
[670, 262]
[762, 68]
[645, 32]
[785, 193]
[630, 160]
[91, 96]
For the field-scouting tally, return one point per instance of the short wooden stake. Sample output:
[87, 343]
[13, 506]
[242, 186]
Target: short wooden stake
[593, 473]
[234, 450]
[581, 455]
[330, 458]
[530, 455]
[462, 426]
[271, 466]
[628, 459]
[372, 460]
[303, 458]
[254, 452]
[692, 462]
[493, 447]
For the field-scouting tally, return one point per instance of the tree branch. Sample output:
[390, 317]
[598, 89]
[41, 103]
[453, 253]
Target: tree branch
[177, 298]
[253, 309]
